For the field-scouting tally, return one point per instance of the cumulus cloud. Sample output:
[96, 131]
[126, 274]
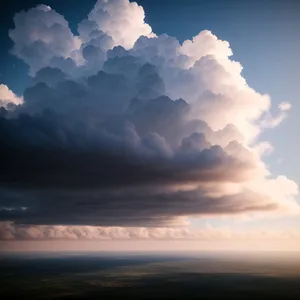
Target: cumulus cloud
[120, 127]
[122, 20]
[42, 36]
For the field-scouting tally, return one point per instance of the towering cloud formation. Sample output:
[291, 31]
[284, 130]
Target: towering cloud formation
[121, 127]
[42, 37]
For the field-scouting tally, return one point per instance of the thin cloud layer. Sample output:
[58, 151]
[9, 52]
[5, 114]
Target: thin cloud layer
[9, 231]
[120, 127]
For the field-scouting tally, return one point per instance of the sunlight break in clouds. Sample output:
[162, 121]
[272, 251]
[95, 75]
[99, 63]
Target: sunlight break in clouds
[121, 128]
[8, 97]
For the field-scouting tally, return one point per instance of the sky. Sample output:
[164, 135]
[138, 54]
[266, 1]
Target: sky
[149, 120]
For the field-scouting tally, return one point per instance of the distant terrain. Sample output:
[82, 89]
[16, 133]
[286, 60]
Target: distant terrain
[150, 276]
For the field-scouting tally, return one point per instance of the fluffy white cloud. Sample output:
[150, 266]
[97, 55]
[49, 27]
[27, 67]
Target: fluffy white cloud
[121, 20]
[40, 36]
[203, 44]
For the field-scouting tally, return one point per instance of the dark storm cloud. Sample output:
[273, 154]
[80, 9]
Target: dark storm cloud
[76, 160]
[124, 207]
[81, 145]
